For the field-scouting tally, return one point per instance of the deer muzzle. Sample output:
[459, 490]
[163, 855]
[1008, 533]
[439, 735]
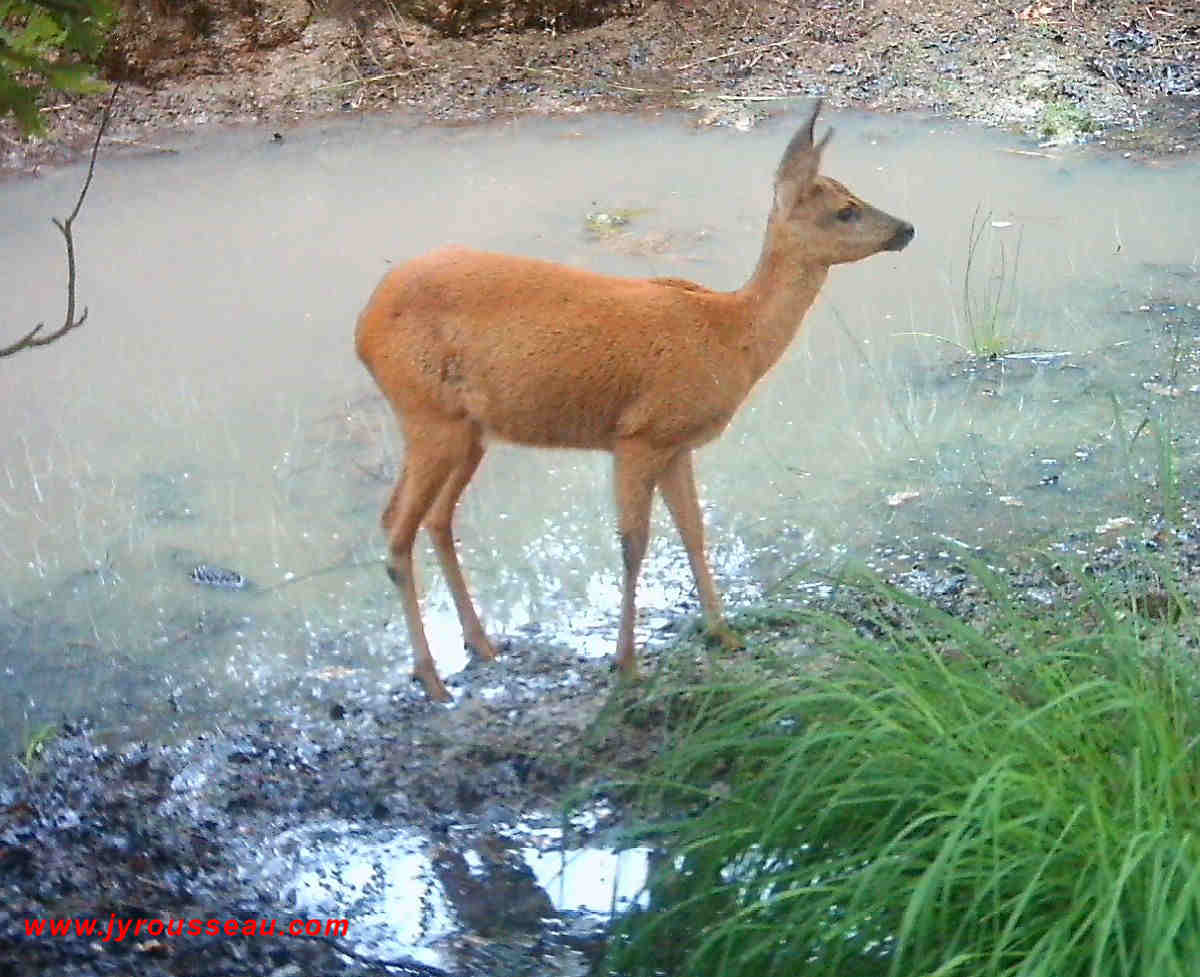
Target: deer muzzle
[901, 238]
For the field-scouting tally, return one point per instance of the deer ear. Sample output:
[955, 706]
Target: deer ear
[801, 162]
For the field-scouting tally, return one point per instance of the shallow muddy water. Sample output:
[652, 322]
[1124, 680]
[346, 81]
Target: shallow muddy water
[212, 412]
[525, 874]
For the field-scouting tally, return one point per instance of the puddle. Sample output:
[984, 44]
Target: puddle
[212, 413]
[383, 880]
[590, 882]
[411, 896]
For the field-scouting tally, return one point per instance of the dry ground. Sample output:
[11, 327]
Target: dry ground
[1120, 73]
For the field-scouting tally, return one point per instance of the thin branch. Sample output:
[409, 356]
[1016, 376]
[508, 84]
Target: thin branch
[32, 338]
[1029, 152]
[139, 144]
[758, 49]
[371, 80]
[761, 98]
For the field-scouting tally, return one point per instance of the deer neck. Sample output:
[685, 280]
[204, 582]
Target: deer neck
[776, 297]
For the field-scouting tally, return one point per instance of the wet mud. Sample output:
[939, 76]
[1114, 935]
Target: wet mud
[476, 839]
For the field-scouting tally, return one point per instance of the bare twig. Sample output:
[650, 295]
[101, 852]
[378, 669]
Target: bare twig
[760, 98]
[550, 69]
[1028, 152]
[758, 49]
[650, 91]
[32, 338]
[139, 144]
[371, 79]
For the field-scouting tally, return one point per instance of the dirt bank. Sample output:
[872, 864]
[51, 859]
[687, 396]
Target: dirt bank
[1114, 72]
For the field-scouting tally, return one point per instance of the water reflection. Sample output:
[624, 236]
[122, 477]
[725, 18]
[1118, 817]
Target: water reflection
[410, 896]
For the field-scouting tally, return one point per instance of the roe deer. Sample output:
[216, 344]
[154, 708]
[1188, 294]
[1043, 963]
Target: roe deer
[468, 345]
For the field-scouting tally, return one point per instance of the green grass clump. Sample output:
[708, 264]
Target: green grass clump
[1024, 803]
[1065, 122]
[36, 743]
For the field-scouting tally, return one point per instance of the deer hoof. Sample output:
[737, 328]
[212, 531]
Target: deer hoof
[433, 687]
[481, 648]
[626, 669]
[726, 637]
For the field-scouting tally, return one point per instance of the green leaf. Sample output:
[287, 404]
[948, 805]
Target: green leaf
[21, 102]
[49, 45]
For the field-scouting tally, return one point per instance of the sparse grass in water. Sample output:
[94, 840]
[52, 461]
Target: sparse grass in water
[989, 315]
[1167, 497]
[1024, 803]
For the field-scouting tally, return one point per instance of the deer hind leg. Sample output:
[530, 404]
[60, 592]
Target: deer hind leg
[678, 487]
[435, 449]
[636, 468]
[438, 522]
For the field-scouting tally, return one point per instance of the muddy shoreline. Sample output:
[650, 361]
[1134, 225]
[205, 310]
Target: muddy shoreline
[267, 820]
[1110, 75]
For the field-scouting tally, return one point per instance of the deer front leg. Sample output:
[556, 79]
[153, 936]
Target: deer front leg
[636, 468]
[678, 487]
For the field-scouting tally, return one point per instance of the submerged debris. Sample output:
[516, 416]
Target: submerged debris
[218, 577]
[899, 498]
[1115, 524]
[603, 222]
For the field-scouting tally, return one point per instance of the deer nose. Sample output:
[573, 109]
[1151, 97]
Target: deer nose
[901, 238]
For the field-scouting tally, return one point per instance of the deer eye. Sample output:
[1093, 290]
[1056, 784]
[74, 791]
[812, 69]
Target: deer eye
[847, 213]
